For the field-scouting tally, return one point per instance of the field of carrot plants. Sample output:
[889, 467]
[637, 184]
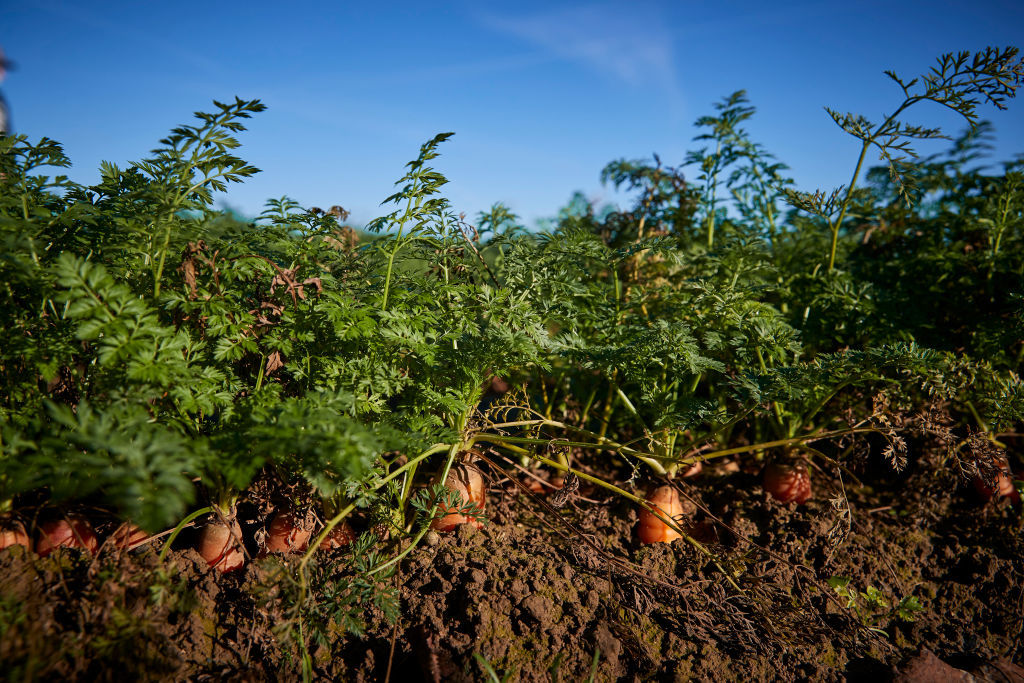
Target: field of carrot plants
[736, 430]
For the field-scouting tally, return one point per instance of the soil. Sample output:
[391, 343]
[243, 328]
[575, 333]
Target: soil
[541, 594]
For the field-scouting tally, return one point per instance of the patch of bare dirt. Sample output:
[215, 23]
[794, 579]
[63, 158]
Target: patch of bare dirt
[544, 599]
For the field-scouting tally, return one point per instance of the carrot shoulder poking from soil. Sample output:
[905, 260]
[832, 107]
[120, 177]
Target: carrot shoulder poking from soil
[651, 528]
[787, 483]
[468, 482]
[339, 537]
[1003, 488]
[127, 535]
[12, 532]
[68, 532]
[218, 545]
[285, 534]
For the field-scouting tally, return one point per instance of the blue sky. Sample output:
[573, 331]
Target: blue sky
[540, 95]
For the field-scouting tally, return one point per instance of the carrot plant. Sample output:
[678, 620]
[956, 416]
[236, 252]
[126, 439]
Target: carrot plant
[730, 145]
[166, 362]
[959, 81]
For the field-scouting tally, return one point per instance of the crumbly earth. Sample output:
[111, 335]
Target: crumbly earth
[541, 594]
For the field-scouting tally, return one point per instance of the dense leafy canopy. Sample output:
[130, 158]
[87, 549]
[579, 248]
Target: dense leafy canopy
[153, 341]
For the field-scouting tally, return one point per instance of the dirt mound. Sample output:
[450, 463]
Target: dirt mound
[542, 600]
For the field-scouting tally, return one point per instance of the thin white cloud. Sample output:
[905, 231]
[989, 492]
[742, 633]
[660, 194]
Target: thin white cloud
[628, 43]
[478, 67]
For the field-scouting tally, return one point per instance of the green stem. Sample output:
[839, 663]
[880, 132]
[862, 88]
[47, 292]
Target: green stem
[651, 458]
[590, 402]
[670, 444]
[846, 202]
[609, 401]
[713, 199]
[430, 515]
[815, 409]
[181, 525]
[544, 397]
[406, 490]
[764, 369]
[1004, 201]
[187, 172]
[334, 521]
[163, 257]
[562, 425]
[978, 418]
[632, 409]
[391, 256]
[259, 377]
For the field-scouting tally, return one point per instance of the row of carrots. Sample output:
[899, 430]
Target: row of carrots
[220, 539]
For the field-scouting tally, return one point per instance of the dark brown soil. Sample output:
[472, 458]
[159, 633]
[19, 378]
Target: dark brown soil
[541, 600]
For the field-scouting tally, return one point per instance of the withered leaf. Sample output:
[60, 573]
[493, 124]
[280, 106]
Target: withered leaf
[274, 362]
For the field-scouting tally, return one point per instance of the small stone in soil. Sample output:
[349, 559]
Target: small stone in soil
[538, 607]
